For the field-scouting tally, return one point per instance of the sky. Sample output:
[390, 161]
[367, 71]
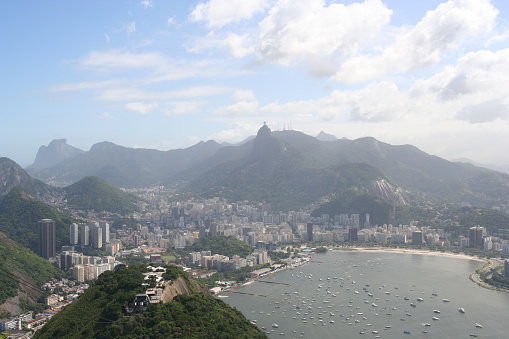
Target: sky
[168, 74]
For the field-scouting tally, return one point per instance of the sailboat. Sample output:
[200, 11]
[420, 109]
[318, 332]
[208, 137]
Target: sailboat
[474, 334]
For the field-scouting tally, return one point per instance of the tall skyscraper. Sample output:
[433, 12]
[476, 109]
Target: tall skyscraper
[417, 238]
[310, 231]
[475, 237]
[85, 235]
[47, 240]
[106, 232]
[353, 234]
[73, 234]
[96, 237]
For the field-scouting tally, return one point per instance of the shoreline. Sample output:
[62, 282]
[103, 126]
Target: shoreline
[411, 251]
[474, 277]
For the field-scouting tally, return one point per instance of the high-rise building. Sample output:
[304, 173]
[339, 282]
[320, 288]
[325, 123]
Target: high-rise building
[310, 231]
[105, 232]
[352, 234]
[47, 240]
[417, 238]
[367, 224]
[475, 237]
[85, 235]
[96, 237]
[73, 234]
[506, 268]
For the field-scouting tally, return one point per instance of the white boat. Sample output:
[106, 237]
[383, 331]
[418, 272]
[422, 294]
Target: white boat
[461, 310]
[435, 318]
[445, 300]
[436, 311]
[275, 325]
[478, 325]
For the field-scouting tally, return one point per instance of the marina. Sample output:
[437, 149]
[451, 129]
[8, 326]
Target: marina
[381, 295]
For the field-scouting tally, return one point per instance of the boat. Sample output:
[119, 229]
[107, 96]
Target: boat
[406, 332]
[435, 318]
[412, 304]
[420, 299]
[445, 300]
[275, 325]
[478, 325]
[461, 310]
[436, 311]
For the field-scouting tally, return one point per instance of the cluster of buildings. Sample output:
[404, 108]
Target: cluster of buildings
[478, 238]
[223, 263]
[180, 224]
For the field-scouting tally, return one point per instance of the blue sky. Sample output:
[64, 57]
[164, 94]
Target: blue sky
[168, 74]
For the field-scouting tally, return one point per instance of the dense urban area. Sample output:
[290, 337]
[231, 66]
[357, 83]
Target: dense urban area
[225, 244]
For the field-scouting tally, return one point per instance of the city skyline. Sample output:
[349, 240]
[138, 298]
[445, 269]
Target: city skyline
[166, 75]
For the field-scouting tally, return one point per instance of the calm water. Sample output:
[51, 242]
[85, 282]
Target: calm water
[346, 293]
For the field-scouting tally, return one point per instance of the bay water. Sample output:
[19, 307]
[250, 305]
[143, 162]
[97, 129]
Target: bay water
[364, 294]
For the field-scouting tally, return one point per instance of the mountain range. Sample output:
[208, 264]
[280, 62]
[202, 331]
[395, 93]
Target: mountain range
[288, 169]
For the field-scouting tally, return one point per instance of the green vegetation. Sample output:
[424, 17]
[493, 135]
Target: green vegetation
[321, 249]
[190, 316]
[287, 180]
[19, 214]
[358, 202]
[12, 175]
[22, 269]
[228, 246]
[92, 193]
[98, 313]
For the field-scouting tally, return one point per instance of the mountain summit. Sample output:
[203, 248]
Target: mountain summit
[57, 151]
[266, 147]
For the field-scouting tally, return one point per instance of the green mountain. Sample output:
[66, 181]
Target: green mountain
[100, 311]
[12, 175]
[92, 193]
[287, 175]
[379, 209]
[266, 167]
[19, 214]
[22, 272]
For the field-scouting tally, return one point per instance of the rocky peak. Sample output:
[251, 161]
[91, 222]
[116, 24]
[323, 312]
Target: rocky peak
[57, 151]
[322, 136]
[266, 147]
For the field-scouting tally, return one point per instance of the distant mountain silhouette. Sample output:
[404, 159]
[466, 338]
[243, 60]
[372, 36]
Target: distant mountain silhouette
[57, 151]
[288, 165]
[322, 136]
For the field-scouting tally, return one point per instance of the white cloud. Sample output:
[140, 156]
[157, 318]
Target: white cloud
[219, 13]
[130, 93]
[246, 103]
[147, 4]
[238, 45]
[118, 60]
[183, 107]
[171, 21]
[237, 132]
[130, 28]
[304, 30]
[243, 95]
[140, 108]
[107, 38]
[440, 31]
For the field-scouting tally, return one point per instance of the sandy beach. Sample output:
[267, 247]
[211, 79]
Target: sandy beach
[411, 251]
